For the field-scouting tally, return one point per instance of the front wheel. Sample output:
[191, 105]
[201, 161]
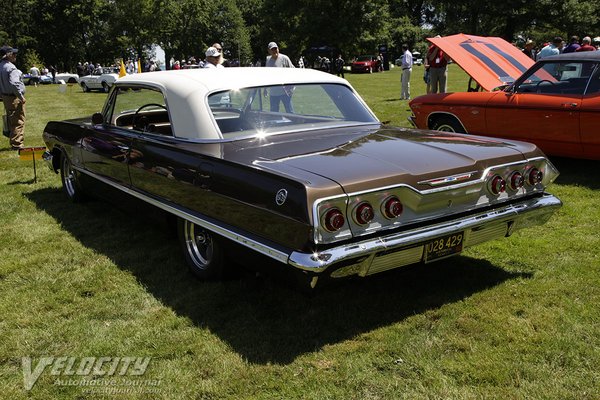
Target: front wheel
[85, 87]
[105, 87]
[447, 124]
[70, 181]
[202, 250]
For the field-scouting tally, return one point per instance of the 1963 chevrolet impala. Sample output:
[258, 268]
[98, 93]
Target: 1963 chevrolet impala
[323, 187]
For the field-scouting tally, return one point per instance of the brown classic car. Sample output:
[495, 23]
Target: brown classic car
[322, 187]
[554, 103]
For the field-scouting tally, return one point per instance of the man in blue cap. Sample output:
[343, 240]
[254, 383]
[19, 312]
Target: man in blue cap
[13, 95]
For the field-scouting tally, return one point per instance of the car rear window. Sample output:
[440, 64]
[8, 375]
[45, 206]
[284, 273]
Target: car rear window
[274, 109]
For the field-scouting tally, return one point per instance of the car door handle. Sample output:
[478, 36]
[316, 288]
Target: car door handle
[124, 148]
[570, 105]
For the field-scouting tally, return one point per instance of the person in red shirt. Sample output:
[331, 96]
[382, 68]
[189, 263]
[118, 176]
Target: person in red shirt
[586, 45]
[438, 69]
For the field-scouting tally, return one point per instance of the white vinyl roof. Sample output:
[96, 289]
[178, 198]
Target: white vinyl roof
[186, 91]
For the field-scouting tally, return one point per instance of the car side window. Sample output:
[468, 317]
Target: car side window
[140, 109]
[563, 78]
[594, 85]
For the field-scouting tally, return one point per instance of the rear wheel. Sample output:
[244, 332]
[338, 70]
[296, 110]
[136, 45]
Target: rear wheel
[447, 124]
[70, 182]
[85, 87]
[202, 250]
[105, 87]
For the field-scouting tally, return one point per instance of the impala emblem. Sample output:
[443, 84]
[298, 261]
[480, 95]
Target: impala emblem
[448, 179]
[281, 197]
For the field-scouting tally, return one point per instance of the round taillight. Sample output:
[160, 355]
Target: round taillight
[534, 176]
[497, 185]
[363, 213]
[516, 181]
[334, 220]
[392, 208]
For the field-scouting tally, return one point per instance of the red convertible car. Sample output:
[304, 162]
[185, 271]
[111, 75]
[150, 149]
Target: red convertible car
[365, 64]
[554, 104]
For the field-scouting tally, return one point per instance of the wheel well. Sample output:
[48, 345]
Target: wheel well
[433, 118]
[57, 154]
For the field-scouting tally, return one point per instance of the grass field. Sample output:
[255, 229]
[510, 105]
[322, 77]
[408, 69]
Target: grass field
[511, 319]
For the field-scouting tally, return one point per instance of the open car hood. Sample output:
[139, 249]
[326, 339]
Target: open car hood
[490, 61]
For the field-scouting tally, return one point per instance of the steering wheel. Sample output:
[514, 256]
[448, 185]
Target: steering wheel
[537, 86]
[141, 123]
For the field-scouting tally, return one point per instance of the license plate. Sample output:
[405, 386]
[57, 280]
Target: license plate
[443, 247]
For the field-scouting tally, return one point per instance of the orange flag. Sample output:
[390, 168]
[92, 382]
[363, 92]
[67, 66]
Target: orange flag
[122, 71]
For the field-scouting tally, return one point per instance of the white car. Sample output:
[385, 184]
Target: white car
[67, 77]
[101, 79]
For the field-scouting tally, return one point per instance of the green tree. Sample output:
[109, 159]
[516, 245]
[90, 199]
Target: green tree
[78, 33]
[353, 27]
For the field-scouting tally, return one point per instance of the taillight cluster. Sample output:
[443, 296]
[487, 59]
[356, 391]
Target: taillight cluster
[391, 207]
[362, 214]
[534, 176]
[515, 181]
[333, 220]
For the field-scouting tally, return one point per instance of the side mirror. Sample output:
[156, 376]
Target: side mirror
[97, 119]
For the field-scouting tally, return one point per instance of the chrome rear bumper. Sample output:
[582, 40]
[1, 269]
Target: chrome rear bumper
[403, 248]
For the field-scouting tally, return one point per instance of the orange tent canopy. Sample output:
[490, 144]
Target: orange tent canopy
[491, 61]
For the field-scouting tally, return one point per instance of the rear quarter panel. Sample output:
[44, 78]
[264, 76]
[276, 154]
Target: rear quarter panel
[468, 107]
[65, 137]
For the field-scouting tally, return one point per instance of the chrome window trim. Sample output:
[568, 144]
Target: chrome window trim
[285, 132]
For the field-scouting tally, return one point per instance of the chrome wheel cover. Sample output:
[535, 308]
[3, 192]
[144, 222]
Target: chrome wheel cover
[446, 128]
[199, 245]
[68, 175]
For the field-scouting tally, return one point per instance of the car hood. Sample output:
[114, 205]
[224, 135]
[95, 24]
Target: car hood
[363, 159]
[491, 61]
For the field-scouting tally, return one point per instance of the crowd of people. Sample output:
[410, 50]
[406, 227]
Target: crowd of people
[558, 46]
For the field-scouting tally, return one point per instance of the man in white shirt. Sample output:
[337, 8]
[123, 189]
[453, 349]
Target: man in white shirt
[213, 58]
[407, 63]
[551, 49]
[34, 73]
[279, 94]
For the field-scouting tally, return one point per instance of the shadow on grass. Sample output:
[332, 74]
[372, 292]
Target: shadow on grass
[579, 172]
[265, 320]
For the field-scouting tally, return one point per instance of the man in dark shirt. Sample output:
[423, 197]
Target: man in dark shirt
[528, 50]
[573, 45]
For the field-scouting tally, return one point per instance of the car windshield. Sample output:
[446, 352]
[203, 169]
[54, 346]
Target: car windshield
[566, 78]
[285, 108]
[365, 58]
